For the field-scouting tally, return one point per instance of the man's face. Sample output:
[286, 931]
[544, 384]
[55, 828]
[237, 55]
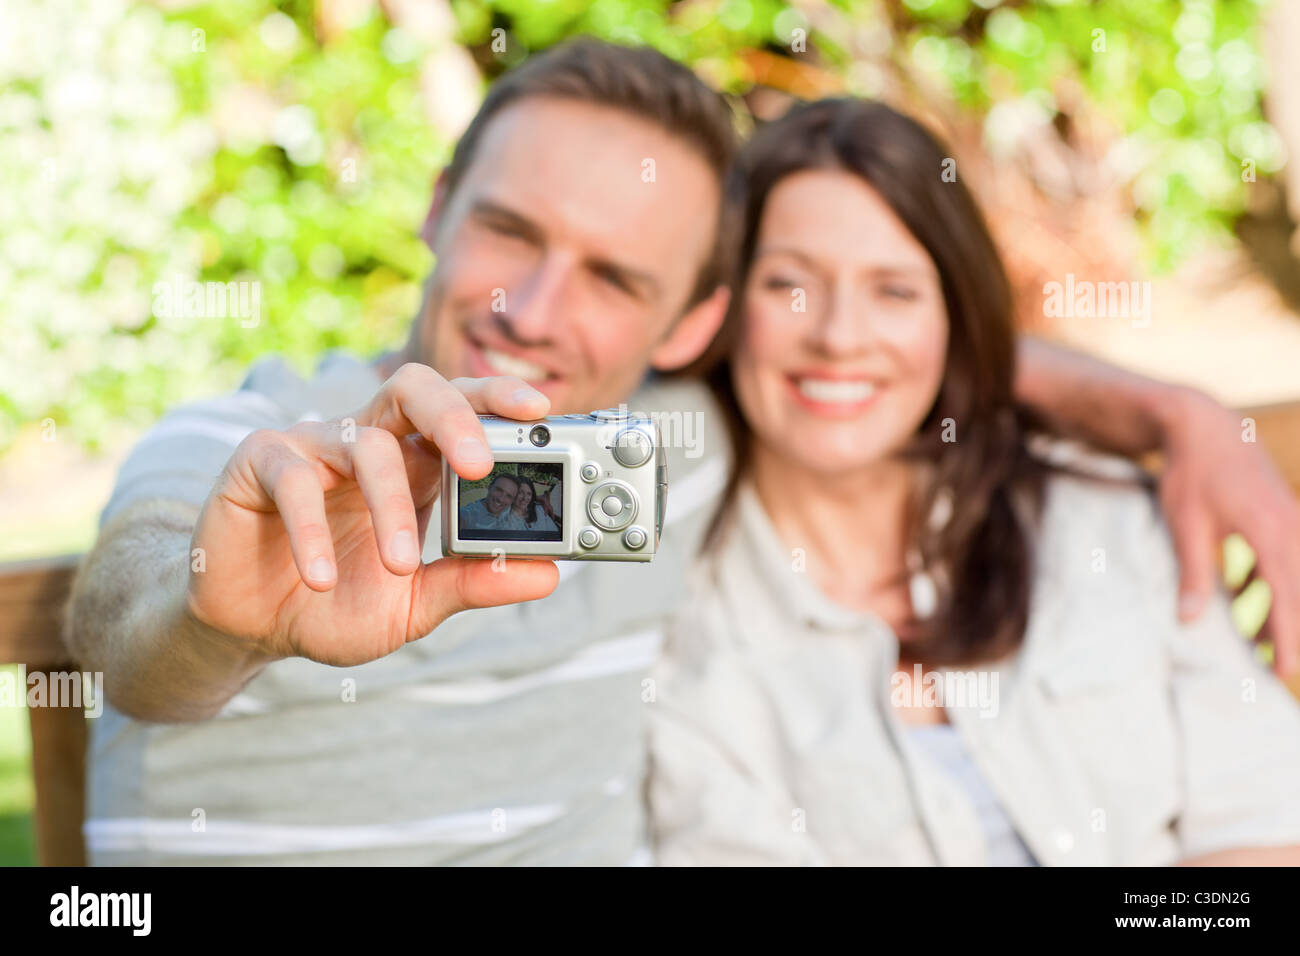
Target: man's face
[567, 252]
[501, 495]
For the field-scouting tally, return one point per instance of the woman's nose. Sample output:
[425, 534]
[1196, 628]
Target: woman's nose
[844, 323]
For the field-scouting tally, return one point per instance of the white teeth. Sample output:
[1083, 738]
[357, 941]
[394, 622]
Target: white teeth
[510, 365]
[836, 390]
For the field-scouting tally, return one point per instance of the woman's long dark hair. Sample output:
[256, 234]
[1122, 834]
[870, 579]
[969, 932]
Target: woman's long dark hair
[530, 512]
[981, 558]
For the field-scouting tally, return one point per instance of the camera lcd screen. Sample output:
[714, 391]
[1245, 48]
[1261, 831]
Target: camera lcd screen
[518, 501]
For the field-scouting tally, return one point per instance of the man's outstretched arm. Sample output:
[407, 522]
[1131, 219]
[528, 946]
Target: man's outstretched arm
[128, 619]
[308, 545]
[1213, 483]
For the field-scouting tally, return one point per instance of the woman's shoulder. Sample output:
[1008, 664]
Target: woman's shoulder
[1105, 567]
[1105, 511]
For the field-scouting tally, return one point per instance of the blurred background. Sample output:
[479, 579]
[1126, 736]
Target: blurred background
[294, 145]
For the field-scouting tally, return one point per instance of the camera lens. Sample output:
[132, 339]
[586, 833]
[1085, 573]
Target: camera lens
[540, 436]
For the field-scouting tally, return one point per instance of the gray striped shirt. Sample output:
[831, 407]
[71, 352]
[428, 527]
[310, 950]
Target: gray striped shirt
[509, 735]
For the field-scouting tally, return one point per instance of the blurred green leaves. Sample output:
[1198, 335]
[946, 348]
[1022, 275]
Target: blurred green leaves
[252, 140]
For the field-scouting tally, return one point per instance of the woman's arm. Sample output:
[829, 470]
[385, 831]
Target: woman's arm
[1239, 741]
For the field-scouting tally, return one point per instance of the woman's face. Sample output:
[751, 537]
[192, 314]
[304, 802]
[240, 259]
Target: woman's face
[845, 328]
[523, 497]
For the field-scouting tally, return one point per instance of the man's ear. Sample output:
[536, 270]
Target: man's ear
[692, 333]
[436, 206]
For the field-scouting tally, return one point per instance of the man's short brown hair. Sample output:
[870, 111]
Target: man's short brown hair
[640, 81]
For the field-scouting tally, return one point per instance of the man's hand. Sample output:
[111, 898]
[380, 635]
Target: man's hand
[1213, 484]
[312, 536]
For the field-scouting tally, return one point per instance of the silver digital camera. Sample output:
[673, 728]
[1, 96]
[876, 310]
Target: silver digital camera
[569, 487]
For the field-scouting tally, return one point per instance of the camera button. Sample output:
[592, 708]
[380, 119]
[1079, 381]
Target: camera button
[612, 506]
[632, 448]
[589, 538]
[589, 472]
[634, 538]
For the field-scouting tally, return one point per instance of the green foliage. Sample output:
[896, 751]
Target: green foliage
[228, 141]
[219, 143]
[542, 475]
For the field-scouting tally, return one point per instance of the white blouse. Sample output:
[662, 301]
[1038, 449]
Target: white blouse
[1114, 736]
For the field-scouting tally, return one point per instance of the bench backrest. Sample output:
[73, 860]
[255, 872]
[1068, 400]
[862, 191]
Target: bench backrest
[32, 595]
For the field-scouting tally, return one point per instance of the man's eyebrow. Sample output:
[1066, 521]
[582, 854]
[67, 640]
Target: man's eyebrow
[494, 211]
[633, 278]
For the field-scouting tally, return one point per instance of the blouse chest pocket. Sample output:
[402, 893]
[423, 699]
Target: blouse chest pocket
[1099, 649]
[1112, 695]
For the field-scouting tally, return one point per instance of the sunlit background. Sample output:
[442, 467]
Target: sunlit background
[294, 145]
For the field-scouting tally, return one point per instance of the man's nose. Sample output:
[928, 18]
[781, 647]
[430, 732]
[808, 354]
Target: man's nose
[533, 307]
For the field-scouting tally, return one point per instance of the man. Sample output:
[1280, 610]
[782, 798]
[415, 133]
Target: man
[287, 679]
[494, 508]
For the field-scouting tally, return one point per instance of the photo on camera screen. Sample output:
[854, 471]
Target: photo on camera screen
[518, 501]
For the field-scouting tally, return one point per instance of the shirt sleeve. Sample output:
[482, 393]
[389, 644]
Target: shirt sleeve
[1241, 740]
[182, 456]
[716, 793]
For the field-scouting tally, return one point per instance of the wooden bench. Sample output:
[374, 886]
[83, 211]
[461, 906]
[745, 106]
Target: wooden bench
[32, 595]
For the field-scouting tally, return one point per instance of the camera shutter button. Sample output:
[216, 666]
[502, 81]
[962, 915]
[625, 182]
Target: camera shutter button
[632, 448]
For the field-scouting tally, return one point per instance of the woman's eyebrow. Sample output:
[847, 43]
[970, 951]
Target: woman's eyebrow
[914, 269]
[791, 251]
[903, 269]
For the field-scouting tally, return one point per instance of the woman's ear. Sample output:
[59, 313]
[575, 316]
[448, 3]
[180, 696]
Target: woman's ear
[692, 333]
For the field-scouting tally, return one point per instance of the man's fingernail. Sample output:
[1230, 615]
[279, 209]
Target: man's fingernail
[522, 395]
[472, 450]
[321, 570]
[404, 548]
[1189, 605]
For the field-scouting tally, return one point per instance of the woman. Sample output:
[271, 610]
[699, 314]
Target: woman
[526, 508]
[913, 641]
